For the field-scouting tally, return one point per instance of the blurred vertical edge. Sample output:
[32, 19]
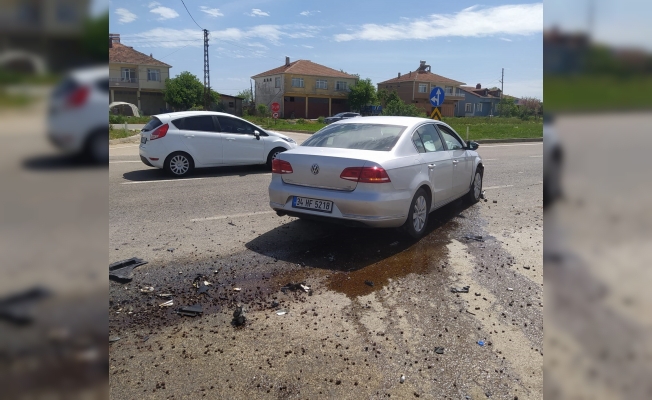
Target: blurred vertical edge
[53, 201]
[598, 223]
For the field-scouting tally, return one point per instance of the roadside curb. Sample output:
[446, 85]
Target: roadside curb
[131, 139]
[515, 140]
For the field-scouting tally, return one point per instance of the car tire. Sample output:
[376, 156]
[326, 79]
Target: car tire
[179, 164]
[96, 149]
[273, 154]
[476, 187]
[417, 220]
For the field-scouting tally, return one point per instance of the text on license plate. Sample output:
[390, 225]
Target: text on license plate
[143, 139]
[312, 204]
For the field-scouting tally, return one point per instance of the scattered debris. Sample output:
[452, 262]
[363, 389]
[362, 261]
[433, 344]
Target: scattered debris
[171, 250]
[232, 224]
[201, 284]
[481, 342]
[368, 283]
[168, 303]
[393, 244]
[275, 304]
[113, 339]
[464, 289]
[305, 288]
[495, 201]
[282, 311]
[402, 379]
[165, 295]
[17, 307]
[526, 267]
[439, 350]
[191, 311]
[470, 312]
[297, 286]
[478, 294]
[237, 289]
[147, 289]
[482, 195]
[477, 238]
[122, 271]
[239, 316]
[510, 289]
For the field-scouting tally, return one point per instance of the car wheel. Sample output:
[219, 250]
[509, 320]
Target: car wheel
[179, 164]
[97, 148]
[417, 220]
[476, 187]
[272, 155]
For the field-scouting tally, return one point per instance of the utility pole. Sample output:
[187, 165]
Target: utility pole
[502, 79]
[207, 76]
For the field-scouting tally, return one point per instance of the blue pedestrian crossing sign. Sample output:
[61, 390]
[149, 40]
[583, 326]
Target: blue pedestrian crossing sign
[437, 95]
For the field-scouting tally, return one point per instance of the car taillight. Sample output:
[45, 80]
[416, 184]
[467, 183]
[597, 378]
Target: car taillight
[281, 167]
[365, 174]
[159, 132]
[78, 97]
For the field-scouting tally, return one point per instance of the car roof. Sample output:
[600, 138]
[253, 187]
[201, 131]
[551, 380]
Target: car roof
[181, 114]
[90, 74]
[405, 121]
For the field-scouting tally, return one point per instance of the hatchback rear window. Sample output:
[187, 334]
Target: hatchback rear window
[153, 123]
[377, 137]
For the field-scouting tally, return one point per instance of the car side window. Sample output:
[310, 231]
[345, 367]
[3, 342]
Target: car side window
[416, 139]
[451, 139]
[232, 125]
[430, 137]
[201, 123]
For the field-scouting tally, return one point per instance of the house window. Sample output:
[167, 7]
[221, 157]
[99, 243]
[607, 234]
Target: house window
[423, 88]
[128, 75]
[341, 85]
[154, 75]
[449, 90]
[231, 105]
[479, 108]
[297, 82]
[277, 82]
[322, 84]
[468, 107]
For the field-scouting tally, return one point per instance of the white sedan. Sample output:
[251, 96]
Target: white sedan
[181, 141]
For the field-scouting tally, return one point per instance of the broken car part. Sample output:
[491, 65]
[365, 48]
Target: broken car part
[122, 271]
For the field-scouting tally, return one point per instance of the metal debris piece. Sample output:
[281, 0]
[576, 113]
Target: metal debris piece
[305, 288]
[477, 238]
[237, 289]
[282, 311]
[510, 289]
[239, 316]
[122, 271]
[464, 289]
[368, 283]
[191, 311]
[439, 350]
[201, 284]
[113, 339]
[168, 303]
[147, 289]
[165, 295]
[207, 283]
[402, 379]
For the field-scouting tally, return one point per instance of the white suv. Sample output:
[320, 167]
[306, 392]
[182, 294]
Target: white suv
[181, 141]
[78, 115]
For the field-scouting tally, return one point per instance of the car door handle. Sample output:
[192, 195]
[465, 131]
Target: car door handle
[189, 136]
[455, 162]
[230, 138]
[431, 166]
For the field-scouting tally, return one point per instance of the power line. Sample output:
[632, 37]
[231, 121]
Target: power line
[193, 20]
[174, 52]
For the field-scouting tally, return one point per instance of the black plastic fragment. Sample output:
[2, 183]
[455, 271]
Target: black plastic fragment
[439, 350]
[464, 289]
[368, 283]
[477, 238]
[16, 308]
[191, 311]
[238, 317]
[122, 271]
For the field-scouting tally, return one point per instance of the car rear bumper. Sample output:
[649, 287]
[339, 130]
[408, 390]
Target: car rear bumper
[365, 205]
[152, 156]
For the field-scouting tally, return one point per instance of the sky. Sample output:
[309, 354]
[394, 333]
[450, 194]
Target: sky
[462, 40]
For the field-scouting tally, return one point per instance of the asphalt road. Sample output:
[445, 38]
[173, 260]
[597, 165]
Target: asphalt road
[380, 304]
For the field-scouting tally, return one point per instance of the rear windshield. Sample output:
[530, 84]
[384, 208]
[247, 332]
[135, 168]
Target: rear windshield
[375, 137]
[153, 123]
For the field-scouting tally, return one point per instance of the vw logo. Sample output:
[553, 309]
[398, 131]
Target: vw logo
[315, 169]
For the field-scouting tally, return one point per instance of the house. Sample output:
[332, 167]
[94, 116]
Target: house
[565, 53]
[136, 78]
[478, 102]
[415, 86]
[42, 36]
[304, 89]
[230, 104]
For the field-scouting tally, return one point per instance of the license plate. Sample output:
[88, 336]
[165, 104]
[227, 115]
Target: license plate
[312, 204]
[143, 139]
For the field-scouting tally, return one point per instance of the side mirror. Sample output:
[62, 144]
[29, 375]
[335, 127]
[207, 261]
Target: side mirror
[257, 135]
[472, 145]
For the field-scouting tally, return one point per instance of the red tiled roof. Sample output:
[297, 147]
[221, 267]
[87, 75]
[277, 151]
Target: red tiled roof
[120, 53]
[423, 76]
[305, 67]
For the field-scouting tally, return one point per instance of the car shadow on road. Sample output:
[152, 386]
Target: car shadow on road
[155, 174]
[341, 248]
[59, 162]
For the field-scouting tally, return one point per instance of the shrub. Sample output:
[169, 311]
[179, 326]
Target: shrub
[320, 120]
[197, 108]
[116, 119]
[262, 110]
[301, 121]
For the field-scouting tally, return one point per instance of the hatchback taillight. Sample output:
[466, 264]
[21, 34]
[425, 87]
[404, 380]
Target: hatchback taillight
[159, 132]
[78, 97]
[281, 167]
[373, 174]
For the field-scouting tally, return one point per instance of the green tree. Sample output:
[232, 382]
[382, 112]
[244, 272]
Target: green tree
[246, 96]
[94, 39]
[262, 109]
[399, 108]
[507, 108]
[186, 91]
[362, 93]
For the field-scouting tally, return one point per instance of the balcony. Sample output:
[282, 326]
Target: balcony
[123, 82]
[455, 93]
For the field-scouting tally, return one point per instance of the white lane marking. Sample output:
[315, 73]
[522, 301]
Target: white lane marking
[512, 145]
[121, 162]
[163, 180]
[537, 156]
[123, 147]
[231, 216]
[497, 187]
[490, 159]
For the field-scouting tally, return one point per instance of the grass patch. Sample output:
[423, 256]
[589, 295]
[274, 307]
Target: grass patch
[120, 133]
[286, 124]
[122, 119]
[597, 92]
[13, 100]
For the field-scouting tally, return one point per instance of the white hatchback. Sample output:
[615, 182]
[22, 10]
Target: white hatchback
[181, 141]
